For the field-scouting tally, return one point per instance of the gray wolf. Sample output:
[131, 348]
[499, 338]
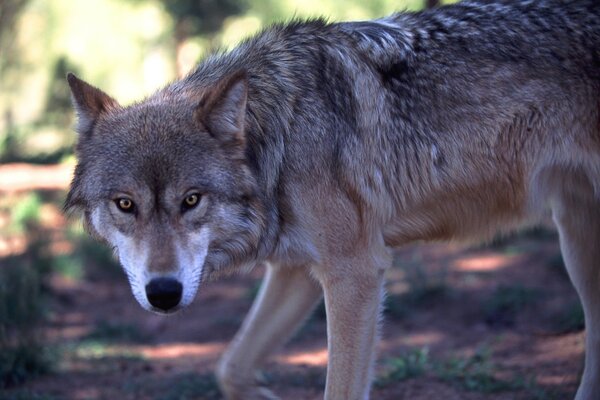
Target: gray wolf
[316, 147]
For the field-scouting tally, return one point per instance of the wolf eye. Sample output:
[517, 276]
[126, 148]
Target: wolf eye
[190, 201]
[124, 204]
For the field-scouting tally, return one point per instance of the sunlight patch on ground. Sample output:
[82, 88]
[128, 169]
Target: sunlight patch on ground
[317, 358]
[68, 326]
[561, 347]
[51, 216]
[67, 333]
[10, 246]
[423, 339]
[556, 379]
[177, 350]
[21, 177]
[486, 263]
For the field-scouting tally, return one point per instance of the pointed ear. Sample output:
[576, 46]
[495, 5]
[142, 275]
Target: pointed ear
[89, 102]
[222, 110]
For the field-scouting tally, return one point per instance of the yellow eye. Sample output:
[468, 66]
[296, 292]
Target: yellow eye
[125, 205]
[191, 201]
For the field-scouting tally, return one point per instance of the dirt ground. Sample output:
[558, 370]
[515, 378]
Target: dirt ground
[483, 322]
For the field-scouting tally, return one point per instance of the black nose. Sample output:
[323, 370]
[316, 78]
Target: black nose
[164, 293]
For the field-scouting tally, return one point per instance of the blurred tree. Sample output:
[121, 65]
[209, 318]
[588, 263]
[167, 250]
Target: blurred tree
[58, 98]
[10, 10]
[432, 3]
[199, 17]
[9, 14]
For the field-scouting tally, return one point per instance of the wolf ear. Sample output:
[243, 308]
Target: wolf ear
[222, 110]
[89, 102]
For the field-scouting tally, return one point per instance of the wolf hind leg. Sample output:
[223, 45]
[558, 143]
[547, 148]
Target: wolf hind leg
[576, 212]
[286, 298]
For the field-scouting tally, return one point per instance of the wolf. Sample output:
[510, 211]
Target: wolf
[316, 147]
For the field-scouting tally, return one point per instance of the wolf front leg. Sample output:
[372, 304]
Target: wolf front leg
[286, 298]
[577, 215]
[353, 299]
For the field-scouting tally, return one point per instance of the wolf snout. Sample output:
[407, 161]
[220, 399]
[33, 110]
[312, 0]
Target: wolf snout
[164, 293]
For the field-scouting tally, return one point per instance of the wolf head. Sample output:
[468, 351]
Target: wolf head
[166, 184]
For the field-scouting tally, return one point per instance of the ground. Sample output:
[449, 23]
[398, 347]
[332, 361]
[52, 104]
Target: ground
[499, 321]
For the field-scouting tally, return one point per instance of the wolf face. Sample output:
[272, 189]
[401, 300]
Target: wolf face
[165, 183]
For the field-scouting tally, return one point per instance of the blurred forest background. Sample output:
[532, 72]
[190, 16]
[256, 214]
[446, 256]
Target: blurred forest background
[496, 322]
[128, 47]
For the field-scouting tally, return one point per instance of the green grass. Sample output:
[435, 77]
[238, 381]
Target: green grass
[114, 332]
[68, 266]
[22, 361]
[397, 369]
[96, 259]
[25, 294]
[102, 357]
[25, 213]
[478, 373]
[475, 373]
[100, 350]
[506, 302]
[21, 312]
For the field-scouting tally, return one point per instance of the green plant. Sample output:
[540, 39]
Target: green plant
[88, 258]
[26, 212]
[111, 332]
[476, 373]
[97, 257]
[410, 365]
[68, 266]
[505, 303]
[21, 312]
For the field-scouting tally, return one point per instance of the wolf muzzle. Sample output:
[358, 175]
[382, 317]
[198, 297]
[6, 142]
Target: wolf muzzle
[164, 293]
